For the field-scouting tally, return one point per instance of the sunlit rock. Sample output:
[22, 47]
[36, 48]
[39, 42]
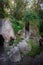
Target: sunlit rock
[7, 30]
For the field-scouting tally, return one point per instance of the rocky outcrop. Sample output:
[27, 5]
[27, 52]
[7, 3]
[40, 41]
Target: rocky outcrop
[14, 54]
[6, 29]
[24, 47]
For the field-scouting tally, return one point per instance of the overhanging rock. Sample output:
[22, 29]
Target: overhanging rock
[6, 29]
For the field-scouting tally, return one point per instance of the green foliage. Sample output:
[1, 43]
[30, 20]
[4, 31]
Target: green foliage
[3, 3]
[35, 48]
[35, 51]
[1, 9]
[19, 9]
[30, 16]
[1, 13]
[41, 14]
[15, 24]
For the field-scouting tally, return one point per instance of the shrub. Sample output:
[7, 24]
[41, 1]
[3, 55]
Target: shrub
[15, 24]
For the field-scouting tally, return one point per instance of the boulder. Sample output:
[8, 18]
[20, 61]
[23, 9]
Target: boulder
[15, 54]
[6, 29]
[24, 47]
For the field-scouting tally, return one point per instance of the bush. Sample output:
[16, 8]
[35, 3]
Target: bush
[15, 24]
[35, 48]
[30, 16]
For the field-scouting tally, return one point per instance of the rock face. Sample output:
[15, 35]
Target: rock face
[15, 54]
[6, 29]
[24, 47]
[13, 51]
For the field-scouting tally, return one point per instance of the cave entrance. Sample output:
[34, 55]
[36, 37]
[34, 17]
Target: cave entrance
[1, 41]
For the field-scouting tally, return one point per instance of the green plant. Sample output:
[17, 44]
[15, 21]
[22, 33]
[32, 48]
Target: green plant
[16, 24]
[35, 49]
[30, 16]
